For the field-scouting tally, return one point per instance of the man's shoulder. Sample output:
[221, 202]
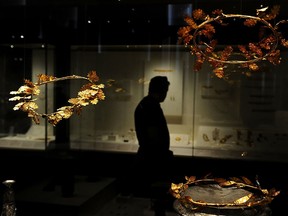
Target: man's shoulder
[148, 101]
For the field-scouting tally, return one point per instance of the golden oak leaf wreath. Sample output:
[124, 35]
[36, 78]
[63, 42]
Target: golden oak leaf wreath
[89, 93]
[257, 196]
[199, 37]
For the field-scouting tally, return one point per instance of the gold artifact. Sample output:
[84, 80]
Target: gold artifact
[89, 93]
[233, 193]
[199, 37]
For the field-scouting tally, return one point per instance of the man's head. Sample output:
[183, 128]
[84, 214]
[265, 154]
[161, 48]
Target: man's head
[158, 87]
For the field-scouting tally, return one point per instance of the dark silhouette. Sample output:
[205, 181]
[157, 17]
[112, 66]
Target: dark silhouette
[154, 158]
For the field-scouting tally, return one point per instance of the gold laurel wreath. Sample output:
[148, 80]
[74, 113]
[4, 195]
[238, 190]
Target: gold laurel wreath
[89, 93]
[198, 37]
[258, 196]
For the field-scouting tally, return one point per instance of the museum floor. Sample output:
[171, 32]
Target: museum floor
[98, 197]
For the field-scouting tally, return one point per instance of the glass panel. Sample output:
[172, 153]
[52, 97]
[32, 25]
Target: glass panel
[243, 117]
[110, 124]
[18, 63]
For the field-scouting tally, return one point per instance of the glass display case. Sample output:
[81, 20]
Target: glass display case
[18, 64]
[207, 117]
[244, 117]
[132, 68]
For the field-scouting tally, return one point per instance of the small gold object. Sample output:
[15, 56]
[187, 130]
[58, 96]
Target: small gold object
[178, 139]
[205, 137]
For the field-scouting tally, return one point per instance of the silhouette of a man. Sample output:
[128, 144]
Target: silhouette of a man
[150, 123]
[154, 158]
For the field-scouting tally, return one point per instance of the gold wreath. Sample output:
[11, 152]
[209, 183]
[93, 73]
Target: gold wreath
[200, 31]
[177, 190]
[89, 93]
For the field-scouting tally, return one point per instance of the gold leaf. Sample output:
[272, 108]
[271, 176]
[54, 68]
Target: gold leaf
[29, 83]
[45, 78]
[236, 179]
[176, 186]
[219, 72]
[250, 22]
[14, 92]
[92, 75]
[199, 14]
[284, 43]
[100, 86]
[227, 183]
[94, 101]
[243, 199]
[36, 90]
[264, 191]
[192, 178]
[273, 192]
[253, 67]
[29, 105]
[73, 100]
[18, 106]
[67, 113]
[86, 94]
[246, 180]
[83, 103]
[16, 98]
[25, 90]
